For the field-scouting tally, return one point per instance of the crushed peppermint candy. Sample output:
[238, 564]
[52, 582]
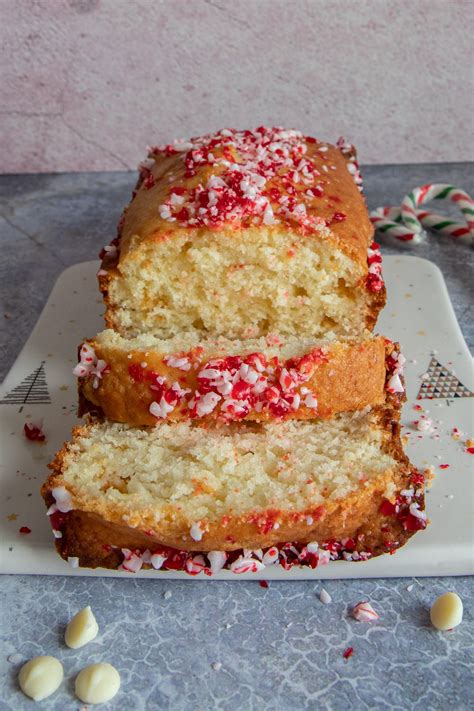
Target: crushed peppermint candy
[196, 532]
[364, 612]
[25, 530]
[406, 508]
[271, 556]
[374, 281]
[195, 565]
[287, 555]
[63, 500]
[234, 386]
[90, 365]
[34, 432]
[157, 560]
[246, 565]
[181, 363]
[161, 409]
[348, 652]
[132, 562]
[217, 560]
[424, 424]
[266, 176]
[14, 658]
[395, 364]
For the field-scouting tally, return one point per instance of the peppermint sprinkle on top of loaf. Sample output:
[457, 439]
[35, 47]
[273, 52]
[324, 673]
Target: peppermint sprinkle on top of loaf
[265, 176]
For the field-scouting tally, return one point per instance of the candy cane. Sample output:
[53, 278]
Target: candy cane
[406, 223]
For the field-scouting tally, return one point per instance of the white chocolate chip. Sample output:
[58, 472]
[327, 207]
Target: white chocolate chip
[97, 683]
[83, 628]
[446, 611]
[40, 677]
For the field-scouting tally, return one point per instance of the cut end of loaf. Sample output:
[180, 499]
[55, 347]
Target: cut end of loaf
[239, 285]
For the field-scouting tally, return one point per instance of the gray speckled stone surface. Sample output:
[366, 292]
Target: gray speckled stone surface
[280, 648]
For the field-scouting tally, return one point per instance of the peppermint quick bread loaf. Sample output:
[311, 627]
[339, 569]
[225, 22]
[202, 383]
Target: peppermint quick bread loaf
[239, 411]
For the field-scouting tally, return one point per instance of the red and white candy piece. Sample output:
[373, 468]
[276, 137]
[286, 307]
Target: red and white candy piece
[132, 562]
[364, 612]
[216, 560]
[246, 565]
[195, 565]
[406, 223]
[89, 364]
[33, 431]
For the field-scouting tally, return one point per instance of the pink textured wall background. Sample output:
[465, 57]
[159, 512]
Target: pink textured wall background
[87, 84]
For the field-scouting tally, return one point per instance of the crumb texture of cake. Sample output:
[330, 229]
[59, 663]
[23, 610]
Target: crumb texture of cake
[241, 234]
[216, 488]
[145, 380]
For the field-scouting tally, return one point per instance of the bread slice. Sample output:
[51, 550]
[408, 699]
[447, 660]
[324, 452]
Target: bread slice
[241, 234]
[144, 380]
[181, 495]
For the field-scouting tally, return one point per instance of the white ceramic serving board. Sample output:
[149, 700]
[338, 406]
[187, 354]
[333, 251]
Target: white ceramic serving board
[419, 315]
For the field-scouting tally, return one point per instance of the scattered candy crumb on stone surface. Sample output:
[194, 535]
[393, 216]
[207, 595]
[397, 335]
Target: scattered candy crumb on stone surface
[325, 597]
[14, 658]
[364, 612]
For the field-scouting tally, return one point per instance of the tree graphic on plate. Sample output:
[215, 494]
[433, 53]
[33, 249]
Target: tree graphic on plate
[440, 383]
[33, 390]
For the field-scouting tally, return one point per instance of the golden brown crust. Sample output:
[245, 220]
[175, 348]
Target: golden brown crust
[345, 377]
[376, 302]
[97, 542]
[352, 235]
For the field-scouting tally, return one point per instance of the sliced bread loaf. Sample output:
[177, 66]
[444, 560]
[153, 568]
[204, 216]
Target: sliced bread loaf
[187, 489]
[244, 233]
[144, 380]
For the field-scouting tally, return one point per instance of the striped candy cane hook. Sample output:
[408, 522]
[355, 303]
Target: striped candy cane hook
[405, 224]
